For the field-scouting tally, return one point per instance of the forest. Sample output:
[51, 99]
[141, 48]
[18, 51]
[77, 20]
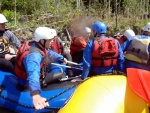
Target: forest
[25, 15]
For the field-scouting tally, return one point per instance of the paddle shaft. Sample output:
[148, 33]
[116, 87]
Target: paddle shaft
[66, 66]
[70, 62]
[70, 78]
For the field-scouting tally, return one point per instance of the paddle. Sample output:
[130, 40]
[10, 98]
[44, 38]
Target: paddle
[74, 63]
[67, 66]
[139, 81]
[70, 62]
[70, 78]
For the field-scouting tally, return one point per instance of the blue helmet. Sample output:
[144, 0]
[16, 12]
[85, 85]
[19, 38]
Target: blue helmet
[99, 27]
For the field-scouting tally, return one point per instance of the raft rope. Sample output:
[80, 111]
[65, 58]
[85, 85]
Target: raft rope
[32, 107]
[49, 99]
[116, 72]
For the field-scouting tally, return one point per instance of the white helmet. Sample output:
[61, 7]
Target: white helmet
[54, 32]
[87, 30]
[128, 33]
[147, 27]
[43, 33]
[3, 19]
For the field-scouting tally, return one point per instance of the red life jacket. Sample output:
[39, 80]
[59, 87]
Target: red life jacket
[56, 46]
[74, 47]
[105, 52]
[121, 39]
[23, 51]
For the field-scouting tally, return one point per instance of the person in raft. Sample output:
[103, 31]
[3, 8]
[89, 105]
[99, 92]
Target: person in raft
[58, 47]
[7, 53]
[138, 50]
[78, 44]
[102, 54]
[33, 61]
[127, 34]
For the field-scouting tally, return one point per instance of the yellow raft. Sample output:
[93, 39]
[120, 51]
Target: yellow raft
[105, 94]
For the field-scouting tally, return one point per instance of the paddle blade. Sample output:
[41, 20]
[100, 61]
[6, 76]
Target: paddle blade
[139, 81]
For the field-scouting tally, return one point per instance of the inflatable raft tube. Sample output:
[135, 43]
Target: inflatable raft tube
[12, 96]
[105, 94]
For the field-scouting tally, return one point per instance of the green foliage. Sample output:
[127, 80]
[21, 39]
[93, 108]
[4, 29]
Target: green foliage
[29, 6]
[141, 24]
[10, 15]
[7, 4]
[66, 11]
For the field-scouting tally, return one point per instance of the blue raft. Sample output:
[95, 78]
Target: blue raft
[12, 98]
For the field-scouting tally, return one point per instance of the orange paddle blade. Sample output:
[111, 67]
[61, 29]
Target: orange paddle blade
[139, 81]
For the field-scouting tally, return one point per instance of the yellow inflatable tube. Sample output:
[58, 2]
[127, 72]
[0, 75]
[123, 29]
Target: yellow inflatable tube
[105, 94]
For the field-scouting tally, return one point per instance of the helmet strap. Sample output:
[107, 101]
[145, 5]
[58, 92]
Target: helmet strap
[95, 35]
[41, 44]
[98, 35]
[44, 43]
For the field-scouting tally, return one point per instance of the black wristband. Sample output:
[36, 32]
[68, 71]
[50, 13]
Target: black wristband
[35, 92]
